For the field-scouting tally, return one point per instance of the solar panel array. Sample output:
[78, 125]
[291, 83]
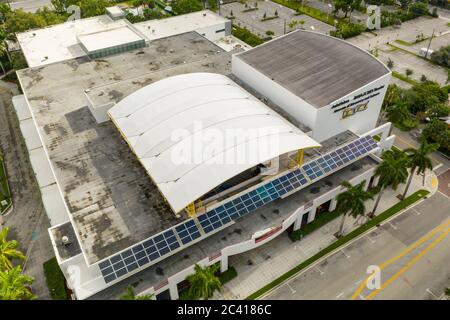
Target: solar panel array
[166, 242]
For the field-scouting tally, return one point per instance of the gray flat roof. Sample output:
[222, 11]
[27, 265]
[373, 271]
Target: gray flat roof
[265, 217]
[317, 68]
[112, 202]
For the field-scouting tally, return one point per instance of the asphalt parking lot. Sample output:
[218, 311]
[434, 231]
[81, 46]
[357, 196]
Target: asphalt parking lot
[252, 19]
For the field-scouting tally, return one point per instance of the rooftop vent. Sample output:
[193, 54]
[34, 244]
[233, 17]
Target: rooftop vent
[65, 241]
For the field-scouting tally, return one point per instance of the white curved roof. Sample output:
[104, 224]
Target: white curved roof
[196, 113]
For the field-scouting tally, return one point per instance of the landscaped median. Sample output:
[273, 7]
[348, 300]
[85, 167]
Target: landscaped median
[340, 242]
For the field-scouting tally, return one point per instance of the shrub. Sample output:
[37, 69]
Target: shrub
[438, 131]
[390, 63]
[347, 30]
[228, 275]
[246, 36]
[270, 33]
[442, 56]
[56, 282]
[408, 72]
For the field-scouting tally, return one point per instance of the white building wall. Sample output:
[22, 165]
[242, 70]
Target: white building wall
[323, 121]
[296, 107]
[215, 32]
[330, 123]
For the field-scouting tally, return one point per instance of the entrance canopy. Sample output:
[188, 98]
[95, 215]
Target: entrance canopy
[193, 132]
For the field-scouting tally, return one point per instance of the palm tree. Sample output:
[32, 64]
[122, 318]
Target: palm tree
[352, 202]
[15, 286]
[391, 172]
[131, 295]
[8, 251]
[419, 159]
[204, 282]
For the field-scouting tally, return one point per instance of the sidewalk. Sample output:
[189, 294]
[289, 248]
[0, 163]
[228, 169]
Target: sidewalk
[260, 266]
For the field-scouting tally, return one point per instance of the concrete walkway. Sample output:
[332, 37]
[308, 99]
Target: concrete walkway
[261, 266]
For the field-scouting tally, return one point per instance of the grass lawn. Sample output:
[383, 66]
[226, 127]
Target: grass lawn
[56, 282]
[309, 11]
[405, 43]
[402, 77]
[4, 189]
[341, 241]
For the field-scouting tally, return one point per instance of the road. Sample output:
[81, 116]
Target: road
[27, 221]
[405, 140]
[30, 5]
[412, 250]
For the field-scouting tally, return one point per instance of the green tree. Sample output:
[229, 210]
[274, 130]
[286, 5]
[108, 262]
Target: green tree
[405, 3]
[392, 171]
[8, 251]
[438, 110]
[204, 282]
[346, 6]
[439, 132]
[391, 97]
[186, 6]
[419, 159]
[91, 8]
[442, 56]
[398, 113]
[130, 294]
[352, 201]
[15, 286]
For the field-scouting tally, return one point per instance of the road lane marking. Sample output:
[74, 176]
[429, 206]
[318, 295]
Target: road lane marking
[340, 295]
[405, 142]
[409, 264]
[401, 254]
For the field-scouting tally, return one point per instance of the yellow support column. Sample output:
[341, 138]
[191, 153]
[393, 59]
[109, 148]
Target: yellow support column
[299, 157]
[191, 209]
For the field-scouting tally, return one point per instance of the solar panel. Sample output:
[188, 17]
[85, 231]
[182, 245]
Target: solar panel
[187, 231]
[275, 189]
[162, 244]
[139, 255]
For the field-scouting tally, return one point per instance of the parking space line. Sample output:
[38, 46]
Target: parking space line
[320, 271]
[392, 226]
[346, 255]
[340, 295]
[370, 239]
[431, 292]
[290, 288]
